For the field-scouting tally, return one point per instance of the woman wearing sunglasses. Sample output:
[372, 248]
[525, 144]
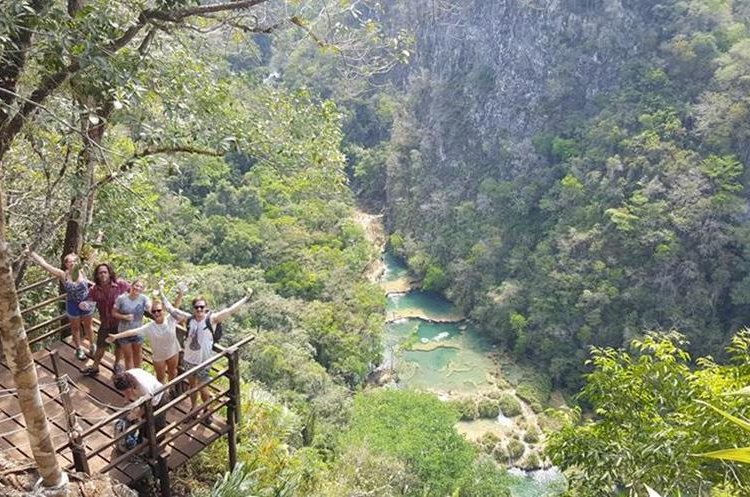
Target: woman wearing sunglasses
[200, 339]
[77, 307]
[161, 333]
[129, 309]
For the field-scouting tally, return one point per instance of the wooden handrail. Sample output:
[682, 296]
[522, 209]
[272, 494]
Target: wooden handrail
[36, 285]
[153, 444]
[206, 363]
[175, 381]
[43, 303]
[48, 334]
[46, 323]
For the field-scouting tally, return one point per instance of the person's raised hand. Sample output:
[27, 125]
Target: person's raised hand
[249, 293]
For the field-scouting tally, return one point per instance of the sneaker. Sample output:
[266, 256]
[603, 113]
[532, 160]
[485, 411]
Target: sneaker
[90, 371]
[118, 368]
[208, 419]
[80, 354]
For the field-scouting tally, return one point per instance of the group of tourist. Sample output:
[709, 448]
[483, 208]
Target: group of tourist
[122, 307]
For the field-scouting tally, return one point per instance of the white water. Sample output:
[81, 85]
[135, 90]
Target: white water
[505, 421]
[539, 483]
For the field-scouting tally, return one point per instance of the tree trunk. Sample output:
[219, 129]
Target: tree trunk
[21, 364]
[82, 203]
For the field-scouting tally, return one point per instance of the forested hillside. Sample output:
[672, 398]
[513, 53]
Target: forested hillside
[572, 173]
[148, 134]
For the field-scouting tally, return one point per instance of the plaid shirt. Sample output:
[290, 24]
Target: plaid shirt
[105, 300]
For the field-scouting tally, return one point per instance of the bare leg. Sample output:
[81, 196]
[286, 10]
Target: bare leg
[161, 369]
[205, 395]
[75, 331]
[137, 354]
[88, 330]
[193, 396]
[98, 357]
[127, 354]
[172, 364]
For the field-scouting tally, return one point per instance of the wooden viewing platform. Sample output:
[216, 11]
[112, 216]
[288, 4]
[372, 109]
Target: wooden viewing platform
[82, 410]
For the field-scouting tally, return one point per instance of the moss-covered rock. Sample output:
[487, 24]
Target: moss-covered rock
[509, 405]
[500, 454]
[532, 435]
[532, 461]
[516, 448]
[467, 409]
[488, 408]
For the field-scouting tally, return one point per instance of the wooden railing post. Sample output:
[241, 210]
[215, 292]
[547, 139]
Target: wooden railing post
[234, 408]
[158, 461]
[77, 447]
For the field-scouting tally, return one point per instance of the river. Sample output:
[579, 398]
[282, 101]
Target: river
[433, 348]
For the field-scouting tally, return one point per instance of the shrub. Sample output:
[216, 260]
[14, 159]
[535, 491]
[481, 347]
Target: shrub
[531, 395]
[516, 448]
[417, 430]
[532, 435]
[488, 408]
[509, 405]
[500, 454]
[488, 442]
[532, 461]
[467, 409]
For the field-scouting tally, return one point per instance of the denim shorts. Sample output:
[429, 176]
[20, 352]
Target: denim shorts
[127, 340]
[74, 312]
[201, 374]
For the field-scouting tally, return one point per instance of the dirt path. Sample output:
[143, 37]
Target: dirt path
[372, 225]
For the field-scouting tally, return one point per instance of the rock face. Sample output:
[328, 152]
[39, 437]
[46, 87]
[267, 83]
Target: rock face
[517, 61]
[488, 76]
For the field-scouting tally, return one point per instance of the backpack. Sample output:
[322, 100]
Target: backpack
[217, 332]
[127, 442]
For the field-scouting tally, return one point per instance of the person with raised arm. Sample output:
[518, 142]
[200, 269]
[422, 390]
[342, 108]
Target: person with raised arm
[162, 335]
[200, 339]
[129, 309]
[77, 307]
[107, 287]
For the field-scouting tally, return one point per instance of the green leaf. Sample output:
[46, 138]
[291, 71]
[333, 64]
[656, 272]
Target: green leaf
[738, 454]
[742, 391]
[739, 422]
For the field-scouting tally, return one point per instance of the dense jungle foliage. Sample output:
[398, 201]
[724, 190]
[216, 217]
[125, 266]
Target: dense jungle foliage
[225, 144]
[612, 205]
[137, 133]
[619, 207]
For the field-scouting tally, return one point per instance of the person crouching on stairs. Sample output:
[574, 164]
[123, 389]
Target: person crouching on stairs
[136, 383]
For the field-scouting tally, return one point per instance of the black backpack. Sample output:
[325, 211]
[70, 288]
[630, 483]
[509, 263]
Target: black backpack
[217, 332]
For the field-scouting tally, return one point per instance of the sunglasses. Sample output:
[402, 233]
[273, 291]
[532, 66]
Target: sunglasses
[156, 311]
[199, 307]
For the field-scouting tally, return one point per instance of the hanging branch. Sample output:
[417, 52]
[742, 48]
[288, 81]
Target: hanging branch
[10, 124]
